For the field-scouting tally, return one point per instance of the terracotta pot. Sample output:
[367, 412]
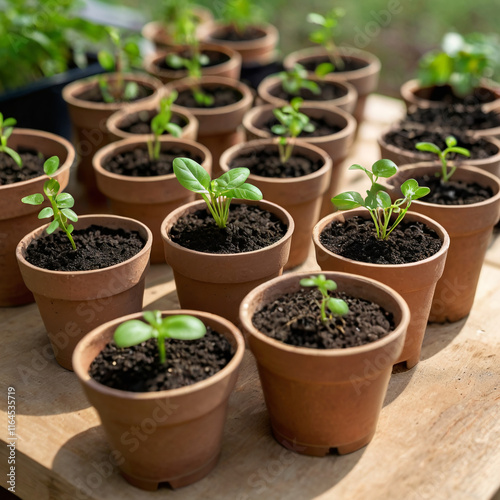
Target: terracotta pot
[147, 199]
[415, 281]
[402, 156]
[228, 69]
[319, 399]
[336, 145]
[74, 303]
[365, 79]
[469, 227]
[218, 282]
[218, 127]
[259, 51]
[271, 85]
[414, 94]
[139, 112]
[16, 218]
[89, 119]
[184, 426]
[158, 33]
[300, 196]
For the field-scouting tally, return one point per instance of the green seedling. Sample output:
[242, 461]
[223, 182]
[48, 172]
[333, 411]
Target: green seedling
[377, 201]
[217, 193]
[325, 35]
[296, 79]
[241, 14]
[336, 306]
[61, 203]
[6, 129]
[451, 147]
[177, 17]
[181, 327]
[292, 124]
[125, 53]
[461, 63]
[161, 123]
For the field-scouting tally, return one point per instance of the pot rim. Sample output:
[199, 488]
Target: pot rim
[86, 379]
[431, 223]
[111, 148]
[323, 353]
[41, 229]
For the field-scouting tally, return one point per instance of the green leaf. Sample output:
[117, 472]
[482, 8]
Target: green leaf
[450, 141]
[409, 188]
[51, 165]
[233, 178]
[307, 282]
[383, 200]
[70, 228]
[183, 327]
[384, 168]
[427, 146]
[461, 151]
[337, 306]
[246, 192]
[33, 199]
[421, 192]
[175, 61]
[70, 214]
[329, 284]
[153, 318]
[174, 129]
[314, 18]
[9, 122]
[51, 187]
[348, 200]
[13, 154]
[65, 200]
[324, 69]
[53, 226]
[278, 129]
[359, 167]
[131, 91]
[191, 175]
[106, 60]
[132, 332]
[46, 212]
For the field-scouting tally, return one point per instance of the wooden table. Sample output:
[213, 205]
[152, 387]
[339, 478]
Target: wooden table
[438, 435]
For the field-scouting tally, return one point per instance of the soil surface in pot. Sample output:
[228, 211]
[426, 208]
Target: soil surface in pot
[230, 34]
[457, 117]
[138, 368]
[445, 94]
[406, 138]
[32, 166]
[97, 247]
[453, 192]
[328, 92]
[294, 319]
[268, 164]
[321, 128]
[94, 94]
[142, 125]
[136, 163]
[350, 64]
[249, 228]
[222, 96]
[214, 58]
[356, 239]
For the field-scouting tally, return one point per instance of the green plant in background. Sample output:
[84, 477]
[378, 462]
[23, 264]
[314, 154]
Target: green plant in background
[177, 17]
[326, 35]
[6, 129]
[337, 306]
[124, 55]
[61, 203]
[219, 192]
[292, 124]
[41, 39]
[180, 326]
[161, 123]
[296, 79]
[451, 147]
[461, 63]
[240, 14]
[377, 201]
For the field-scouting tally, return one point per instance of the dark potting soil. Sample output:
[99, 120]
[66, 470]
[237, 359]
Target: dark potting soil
[456, 117]
[453, 192]
[444, 93]
[249, 228]
[138, 368]
[214, 58]
[97, 247]
[268, 164]
[329, 91]
[222, 95]
[321, 128]
[142, 124]
[356, 239]
[32, 166]
[350, 64]
[136, 163]
[294, 319]
[407, 137]
[230, 34]
[94, 94]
